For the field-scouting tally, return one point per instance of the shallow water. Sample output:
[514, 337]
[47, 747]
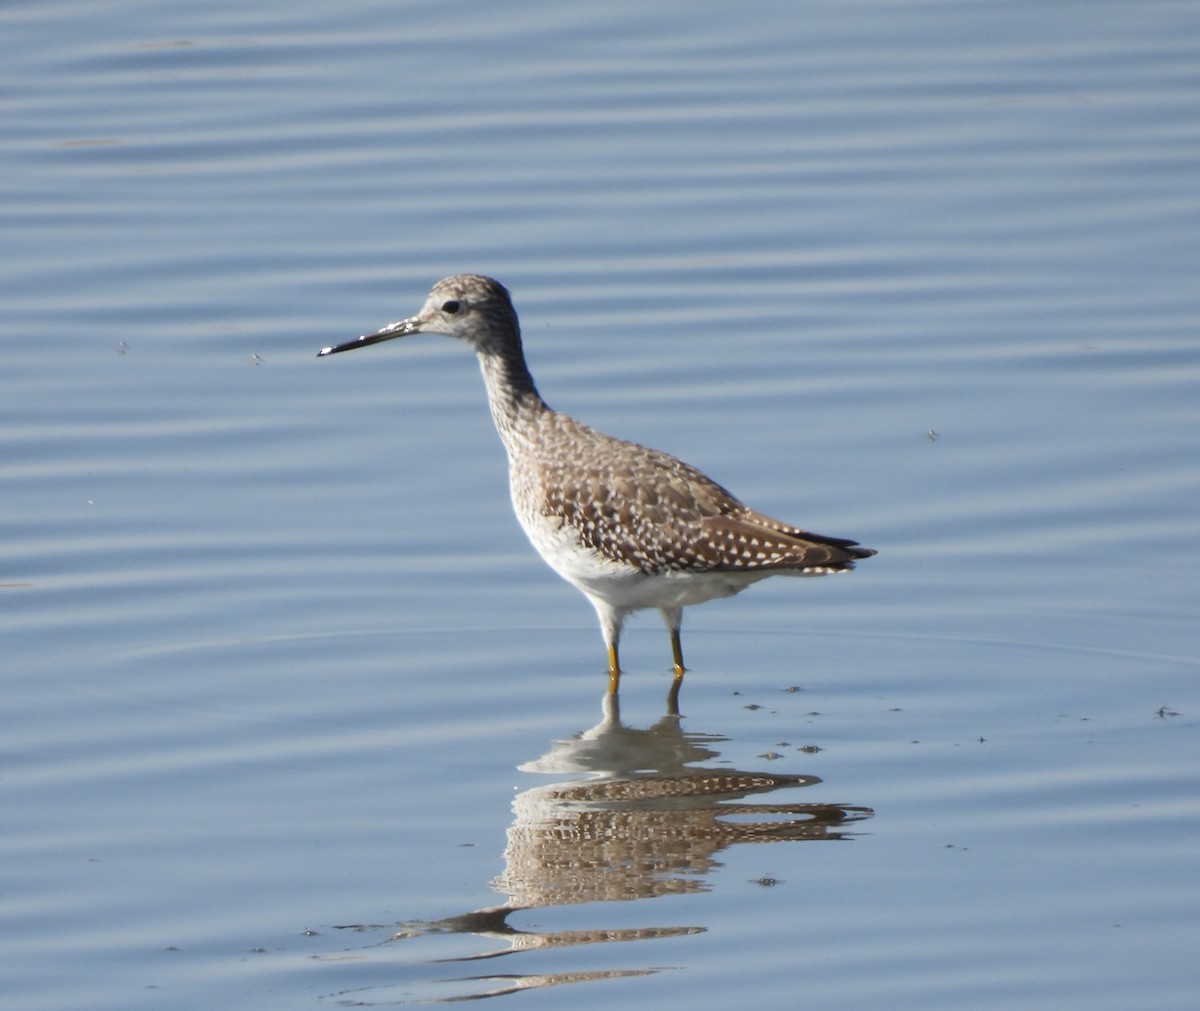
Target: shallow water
[291, 713]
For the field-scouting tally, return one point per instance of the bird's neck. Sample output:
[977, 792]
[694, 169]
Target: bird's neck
[514, 400]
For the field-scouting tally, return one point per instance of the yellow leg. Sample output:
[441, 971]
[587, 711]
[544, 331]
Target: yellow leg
[677, 654]
[677, 682]
[614, 670]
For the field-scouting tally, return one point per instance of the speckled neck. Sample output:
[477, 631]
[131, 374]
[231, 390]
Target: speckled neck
[515, 402]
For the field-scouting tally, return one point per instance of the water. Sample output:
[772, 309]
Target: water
[292, 714]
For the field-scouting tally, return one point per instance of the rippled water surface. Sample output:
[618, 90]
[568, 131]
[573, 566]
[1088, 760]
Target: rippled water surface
[292, 714]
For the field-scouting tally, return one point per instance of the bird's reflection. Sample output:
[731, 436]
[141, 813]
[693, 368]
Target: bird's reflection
[649, 822]
[650, 819]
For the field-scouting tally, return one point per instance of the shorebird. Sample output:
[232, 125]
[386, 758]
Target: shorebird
[630, 527]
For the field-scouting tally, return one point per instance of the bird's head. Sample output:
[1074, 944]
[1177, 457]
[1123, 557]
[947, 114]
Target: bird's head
[469, 307]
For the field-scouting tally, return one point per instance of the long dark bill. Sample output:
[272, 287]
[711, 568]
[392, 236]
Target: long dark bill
[401, 329]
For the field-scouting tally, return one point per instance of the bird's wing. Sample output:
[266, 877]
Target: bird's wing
[648, 509]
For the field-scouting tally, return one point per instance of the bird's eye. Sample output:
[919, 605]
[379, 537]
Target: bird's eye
[451, 307]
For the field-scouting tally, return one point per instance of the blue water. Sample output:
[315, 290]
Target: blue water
[290, 711]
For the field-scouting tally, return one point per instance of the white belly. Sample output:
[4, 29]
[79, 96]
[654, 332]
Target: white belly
[622, 586]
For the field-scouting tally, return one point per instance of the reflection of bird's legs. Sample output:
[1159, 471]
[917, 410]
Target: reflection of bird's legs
[673, 697]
